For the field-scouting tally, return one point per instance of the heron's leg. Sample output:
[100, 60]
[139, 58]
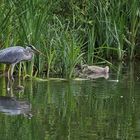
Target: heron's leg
[11, 72]
[10, 87]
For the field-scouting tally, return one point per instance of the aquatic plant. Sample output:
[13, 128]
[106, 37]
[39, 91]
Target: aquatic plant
[70, 32]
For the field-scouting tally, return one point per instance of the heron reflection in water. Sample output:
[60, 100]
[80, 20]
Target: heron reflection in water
[16, 54]
[12, 106]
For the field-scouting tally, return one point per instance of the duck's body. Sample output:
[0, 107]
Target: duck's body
[95, 69]
[91, 72]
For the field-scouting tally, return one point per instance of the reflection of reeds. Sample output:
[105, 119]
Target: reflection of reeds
[66, 31]
[83, 109]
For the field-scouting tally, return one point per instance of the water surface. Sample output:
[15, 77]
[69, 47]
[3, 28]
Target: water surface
[101, 109]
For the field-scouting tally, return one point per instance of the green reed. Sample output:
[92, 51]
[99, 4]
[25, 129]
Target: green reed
[114, 21]
[64, 31]
[5, 28]
[91, 45]
[68, 48]
[134, 26]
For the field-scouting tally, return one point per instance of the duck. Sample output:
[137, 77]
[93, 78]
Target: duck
[94, 69]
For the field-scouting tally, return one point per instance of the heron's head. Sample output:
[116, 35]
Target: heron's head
[33, 49]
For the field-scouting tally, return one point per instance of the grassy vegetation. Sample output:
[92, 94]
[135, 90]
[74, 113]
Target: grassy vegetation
[71, 32]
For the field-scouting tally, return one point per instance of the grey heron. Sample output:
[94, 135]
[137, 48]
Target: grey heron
[16, 54]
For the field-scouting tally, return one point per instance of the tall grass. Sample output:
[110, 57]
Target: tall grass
[67, 46]
[71, 32]
[5, 27]
[115, 21]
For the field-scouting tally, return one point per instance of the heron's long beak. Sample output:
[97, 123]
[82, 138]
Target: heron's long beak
[38, 52]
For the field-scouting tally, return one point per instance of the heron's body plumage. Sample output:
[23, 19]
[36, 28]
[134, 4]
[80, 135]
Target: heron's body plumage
[14, 55]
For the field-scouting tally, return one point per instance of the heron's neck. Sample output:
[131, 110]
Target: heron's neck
[29, 54]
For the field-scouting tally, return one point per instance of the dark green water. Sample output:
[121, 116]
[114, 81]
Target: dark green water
[99, 109]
